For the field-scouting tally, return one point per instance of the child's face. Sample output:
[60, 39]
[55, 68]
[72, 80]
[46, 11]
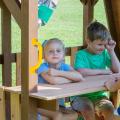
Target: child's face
[54, 53]
[96, 46]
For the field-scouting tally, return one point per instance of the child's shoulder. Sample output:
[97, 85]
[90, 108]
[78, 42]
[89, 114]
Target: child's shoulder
[81, 52]
[44, 64]
[43, 67]
[65, 67]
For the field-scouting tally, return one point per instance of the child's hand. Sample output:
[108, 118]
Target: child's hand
[53, 72]
[111, 45]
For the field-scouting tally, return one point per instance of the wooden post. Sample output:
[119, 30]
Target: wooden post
[118, 98]
[6, 51]
[113, 17]
[29, 30]
[88, 13]
[15, 106]
[48, 105]
[18, 69]
[2, 104]
[14, 8]
[73, 51]
[6, 45]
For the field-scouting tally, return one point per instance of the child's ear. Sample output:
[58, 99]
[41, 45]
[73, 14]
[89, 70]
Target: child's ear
[87, 41]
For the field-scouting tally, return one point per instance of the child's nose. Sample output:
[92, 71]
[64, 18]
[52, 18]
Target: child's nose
[55, 52]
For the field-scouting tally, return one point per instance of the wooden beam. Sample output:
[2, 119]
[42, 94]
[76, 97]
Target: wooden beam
[15, 106]
[48, 105]
[6, 45]
[73, 51]
[68, 50]
[12, 57]
[0, 4]
[2, 104]
[14, 8]
[29, 30]
[113, 17]
[18, 69]
[88, 13]
[6, 51]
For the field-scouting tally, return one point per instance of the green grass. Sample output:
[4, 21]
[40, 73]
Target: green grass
[66, 24]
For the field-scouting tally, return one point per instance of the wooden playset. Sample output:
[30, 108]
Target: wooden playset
[22, 101]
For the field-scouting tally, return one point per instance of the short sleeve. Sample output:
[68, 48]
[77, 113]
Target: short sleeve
[65, 67]
[43, 67]
[80, 61]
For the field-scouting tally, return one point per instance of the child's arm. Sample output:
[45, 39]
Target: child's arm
[71, 75]
[114, 60]
[54, 80]
[87, 72]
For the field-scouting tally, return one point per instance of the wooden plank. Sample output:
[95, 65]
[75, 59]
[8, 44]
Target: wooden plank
[29, 30]
[12, 59]
[68, 51]
[88, 11]
[32, 109]
[47, 94]
[0, 4]
[113, 17]
[118, 98]
[87, 17]
[115, 98]
[14, 8]
[6, 51]
[15, 107]
[7, 106]
[18, 69]
[1, 59]
[73, 51]
[51, 92]
[48, 105]
[2, 104]
[15, 89]
[6, 45]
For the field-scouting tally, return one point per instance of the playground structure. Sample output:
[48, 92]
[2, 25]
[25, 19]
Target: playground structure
[25, 13]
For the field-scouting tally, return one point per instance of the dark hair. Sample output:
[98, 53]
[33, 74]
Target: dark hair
[96, 31]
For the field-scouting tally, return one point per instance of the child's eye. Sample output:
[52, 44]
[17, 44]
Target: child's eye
[100, 44]
[51, 51]
[58, 51]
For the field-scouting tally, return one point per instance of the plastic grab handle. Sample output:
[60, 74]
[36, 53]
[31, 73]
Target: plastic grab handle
[38, 44]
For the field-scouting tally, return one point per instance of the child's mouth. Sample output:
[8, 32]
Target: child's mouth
[55, 57]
